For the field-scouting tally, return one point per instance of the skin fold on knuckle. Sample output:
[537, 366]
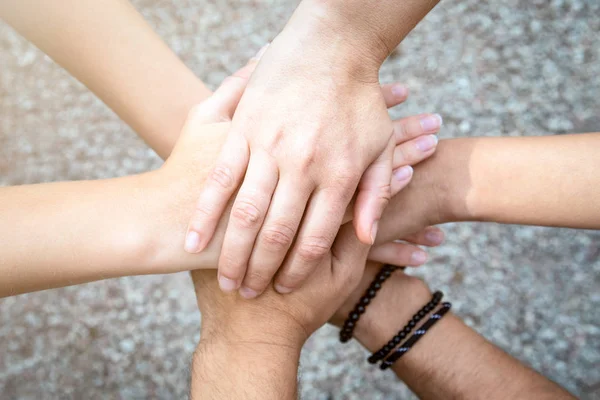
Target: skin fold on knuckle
[313, 248]
[245, 213]
[384, 193]
[257, 280]
[277, 237]
[402, 156]
[401, 131]
[222, 177]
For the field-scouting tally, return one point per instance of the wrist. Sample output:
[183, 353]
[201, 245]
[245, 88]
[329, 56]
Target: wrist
[331, 39]
[383, 319]
[448, 176]
[251, 324]
[221, 369]
[162, 222]
[136, 236]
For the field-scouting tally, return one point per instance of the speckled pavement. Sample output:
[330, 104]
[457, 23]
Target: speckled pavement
[508, 67]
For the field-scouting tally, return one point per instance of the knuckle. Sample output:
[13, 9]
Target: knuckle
[222, 176]
[278, 236]
[257, 280]
[401, 131]
[277, 138]
[246, 213]
[202, 212]
[314, 248]
[231, 266]
[306, 161]
[385, 192]
[402, 155]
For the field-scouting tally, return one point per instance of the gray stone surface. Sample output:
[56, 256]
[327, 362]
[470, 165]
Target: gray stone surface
[508, 67]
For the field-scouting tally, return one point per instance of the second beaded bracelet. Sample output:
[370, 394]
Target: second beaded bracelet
[402, 333]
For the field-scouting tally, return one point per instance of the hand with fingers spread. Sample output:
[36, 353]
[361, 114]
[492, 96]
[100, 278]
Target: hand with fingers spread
[256, 242]
[311, 129]
[413, 140]
[172, 190]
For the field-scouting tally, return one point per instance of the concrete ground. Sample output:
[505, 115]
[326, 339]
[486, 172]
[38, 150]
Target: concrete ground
[508, 67]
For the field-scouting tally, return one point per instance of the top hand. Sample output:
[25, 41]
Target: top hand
[302, 159]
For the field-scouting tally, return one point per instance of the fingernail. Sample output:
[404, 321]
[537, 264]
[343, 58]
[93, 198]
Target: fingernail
[400, 91]
[261, 52]
[418, 257]
[282, 289]
[192, 242]
[434, 236]
[226, 284]
[426, 143]
[248, 293]
[403, 173]
[431, 123]
[374, 231]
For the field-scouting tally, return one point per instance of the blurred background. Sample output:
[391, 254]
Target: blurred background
[506, 67]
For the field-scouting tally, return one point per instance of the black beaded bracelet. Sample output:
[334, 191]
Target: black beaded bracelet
[402, 333]
[419, 333]
[360, 308]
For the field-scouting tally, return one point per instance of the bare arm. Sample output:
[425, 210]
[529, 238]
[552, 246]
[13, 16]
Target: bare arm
[375, 26]
[547, 181]
[451, 361]
[246, 365]
[111, 49]
[287, 211]
[73, 232]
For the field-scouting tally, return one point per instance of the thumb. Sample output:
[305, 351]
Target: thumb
[374, 194]
[349, 257]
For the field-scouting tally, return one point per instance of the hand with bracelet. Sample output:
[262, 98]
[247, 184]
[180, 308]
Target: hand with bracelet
[251, 349]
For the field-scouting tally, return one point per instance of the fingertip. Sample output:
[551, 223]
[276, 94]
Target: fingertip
[400, 92]
[418, 257]
[403, 173]
[435, 236]
[248, 293]
[192, 242]
[282, 289]
[364, 235]
[227, 285]
[430, 123]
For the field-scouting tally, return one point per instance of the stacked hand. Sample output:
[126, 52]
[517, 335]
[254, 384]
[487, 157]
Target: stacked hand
[306, 168]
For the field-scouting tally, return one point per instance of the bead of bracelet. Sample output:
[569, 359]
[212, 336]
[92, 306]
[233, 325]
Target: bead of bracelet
[361, 307]
[419, 333]
[395, 341]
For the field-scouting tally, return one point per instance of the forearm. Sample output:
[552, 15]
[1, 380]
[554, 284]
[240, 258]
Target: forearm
[545, 181]
[111, 49]
[67, 233]
[549, 181]
[451, 360]
[376, 27]
[244, 371]
[242, 354]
